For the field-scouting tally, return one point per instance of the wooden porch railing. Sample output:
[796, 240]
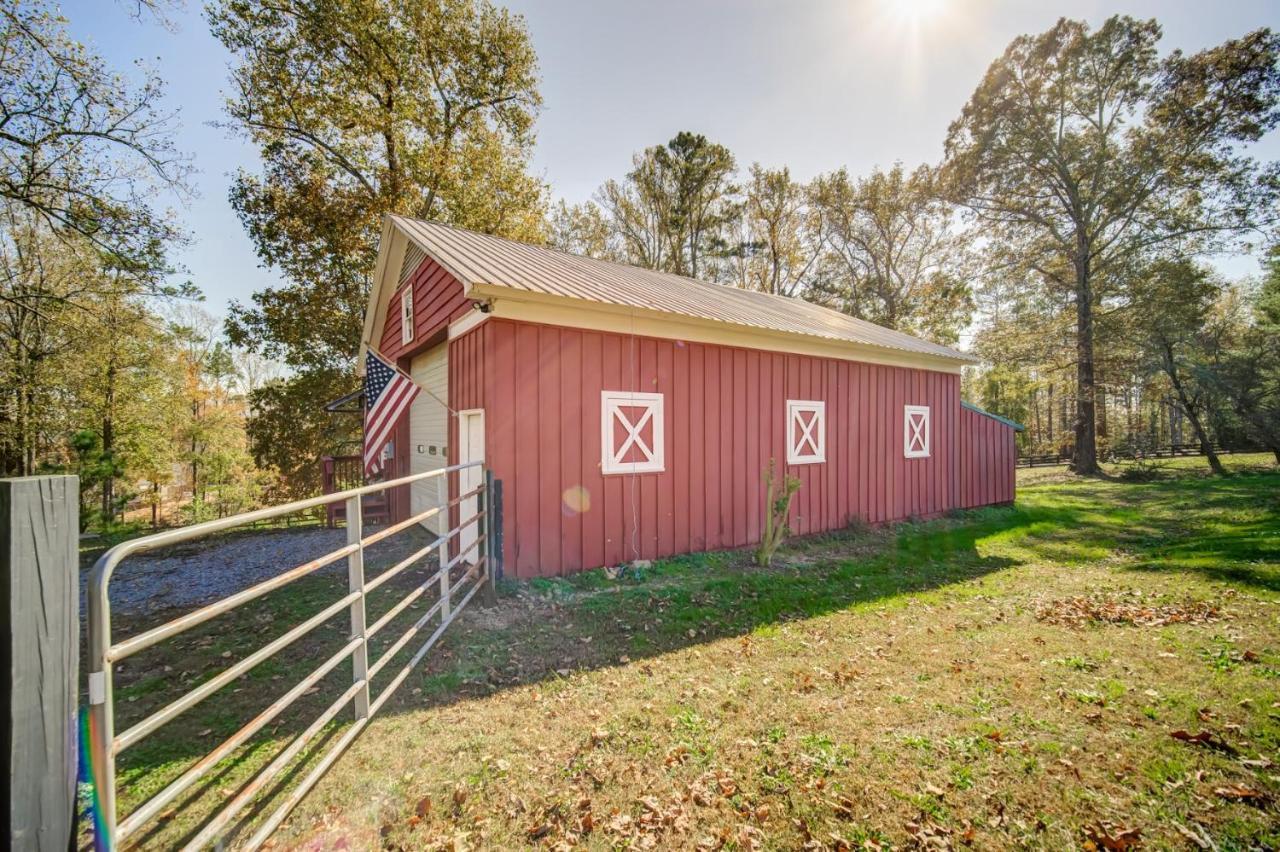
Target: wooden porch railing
[341, 473]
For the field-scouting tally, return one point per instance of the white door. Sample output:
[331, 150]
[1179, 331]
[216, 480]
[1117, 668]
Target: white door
[470, 449]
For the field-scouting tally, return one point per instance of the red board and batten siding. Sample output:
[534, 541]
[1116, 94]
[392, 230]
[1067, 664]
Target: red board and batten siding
[438, 300]
[724, 417]
[988, 460]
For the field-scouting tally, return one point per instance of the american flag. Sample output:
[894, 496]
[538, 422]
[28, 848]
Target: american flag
[387, 393]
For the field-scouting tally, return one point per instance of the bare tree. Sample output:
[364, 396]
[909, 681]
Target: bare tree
[79, 147]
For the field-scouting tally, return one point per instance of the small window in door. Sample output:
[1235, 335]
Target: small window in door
[631, 438]
[806, 431]
[406, 315]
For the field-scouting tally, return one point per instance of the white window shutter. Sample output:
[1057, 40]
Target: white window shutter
[806, 431]
[631, 427]
[915, 431]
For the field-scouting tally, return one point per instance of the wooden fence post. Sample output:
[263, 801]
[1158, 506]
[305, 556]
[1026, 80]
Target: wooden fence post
[40, 579]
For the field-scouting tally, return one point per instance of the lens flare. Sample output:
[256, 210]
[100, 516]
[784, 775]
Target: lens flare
[576, 500]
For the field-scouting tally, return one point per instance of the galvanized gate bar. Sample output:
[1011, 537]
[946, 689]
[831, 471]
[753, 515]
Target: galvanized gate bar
[104, 745]
[213, 684]
[142, 641]
[223, 817]
[156, 803]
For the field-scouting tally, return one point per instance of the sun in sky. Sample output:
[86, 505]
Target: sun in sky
[907, 28]
[915, 13]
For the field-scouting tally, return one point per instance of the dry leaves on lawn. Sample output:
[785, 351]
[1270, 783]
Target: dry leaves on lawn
[1111, 837]
[1208, 739]
[1241, 793]
[1082, 610]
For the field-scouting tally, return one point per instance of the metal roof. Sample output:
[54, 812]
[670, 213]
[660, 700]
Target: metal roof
[1017, 427]
[484, 259]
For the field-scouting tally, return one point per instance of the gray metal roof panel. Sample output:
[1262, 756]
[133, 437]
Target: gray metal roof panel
[483, 259]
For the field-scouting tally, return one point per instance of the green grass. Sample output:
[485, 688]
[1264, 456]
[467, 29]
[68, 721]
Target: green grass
[873, 685]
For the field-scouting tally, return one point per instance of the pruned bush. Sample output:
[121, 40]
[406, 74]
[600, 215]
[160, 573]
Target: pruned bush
[777, 509]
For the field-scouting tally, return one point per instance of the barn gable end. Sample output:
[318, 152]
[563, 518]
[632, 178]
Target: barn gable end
[438, 299]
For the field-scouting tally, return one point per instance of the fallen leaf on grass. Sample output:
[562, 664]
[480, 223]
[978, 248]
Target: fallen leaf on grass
[1102, 609]
[1199, 839]
[1110, 837]
[1241, 793]
[843, 807]
[930, 835]
[1208, 739]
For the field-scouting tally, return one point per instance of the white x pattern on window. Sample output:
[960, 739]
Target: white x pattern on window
[806, 431]
[916, 431]
[614, 406]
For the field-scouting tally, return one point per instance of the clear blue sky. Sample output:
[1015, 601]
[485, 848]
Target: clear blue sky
[812, 85]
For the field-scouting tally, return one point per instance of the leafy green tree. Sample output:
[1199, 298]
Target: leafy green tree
[1249, 373]
[1007, 391]
[1082, 150]
[1172, 300]
[782, 237]
[581, 229]
[361, 108]
[673, 210]
[893, 253]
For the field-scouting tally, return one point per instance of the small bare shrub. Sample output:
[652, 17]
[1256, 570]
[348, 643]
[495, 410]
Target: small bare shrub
[777, 509]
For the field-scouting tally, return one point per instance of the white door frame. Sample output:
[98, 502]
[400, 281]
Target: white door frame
[469, 479]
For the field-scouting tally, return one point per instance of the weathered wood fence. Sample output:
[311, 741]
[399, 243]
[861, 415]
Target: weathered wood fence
[39, 533]
[1168, 451]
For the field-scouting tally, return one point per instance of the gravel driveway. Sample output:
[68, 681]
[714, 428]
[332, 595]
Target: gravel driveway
[190, 575]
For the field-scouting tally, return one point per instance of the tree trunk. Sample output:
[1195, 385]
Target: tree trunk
[108, 443]
[1100, 397]
[1206, 448]
[1190, 409]
[1052, 414]
[1035, 406]
[1084, 457]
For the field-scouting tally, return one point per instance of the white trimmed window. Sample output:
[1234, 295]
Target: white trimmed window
[406, 315]
[915, 431]
[806, 431]
[631, 438]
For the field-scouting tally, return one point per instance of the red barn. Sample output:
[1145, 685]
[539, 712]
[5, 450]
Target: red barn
[632, 413]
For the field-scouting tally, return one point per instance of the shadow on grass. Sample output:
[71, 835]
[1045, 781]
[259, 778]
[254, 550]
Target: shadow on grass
[1224, 528]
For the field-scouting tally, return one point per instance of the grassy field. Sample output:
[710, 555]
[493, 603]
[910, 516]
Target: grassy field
[1099, 664]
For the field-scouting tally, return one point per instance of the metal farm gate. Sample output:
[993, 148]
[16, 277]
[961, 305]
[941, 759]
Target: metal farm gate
[467, 561]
